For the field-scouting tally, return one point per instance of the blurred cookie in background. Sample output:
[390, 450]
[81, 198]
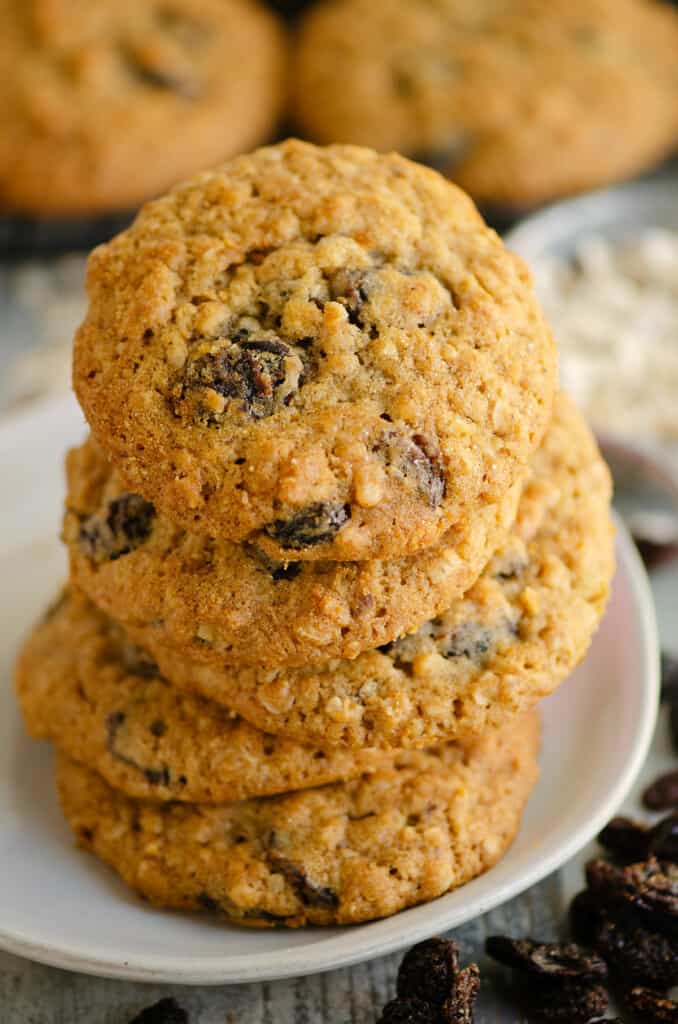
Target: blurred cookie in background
[108, 103]
[517, 100]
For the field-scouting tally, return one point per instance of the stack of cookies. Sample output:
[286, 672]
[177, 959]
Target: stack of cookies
[332, 537]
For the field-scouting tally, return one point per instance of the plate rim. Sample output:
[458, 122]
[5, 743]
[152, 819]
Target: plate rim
[342, 950]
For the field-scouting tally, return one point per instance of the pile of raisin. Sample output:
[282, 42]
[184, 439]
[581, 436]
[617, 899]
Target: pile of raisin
[431, 987]
[625, 923]
[556, 982]
[628, 914]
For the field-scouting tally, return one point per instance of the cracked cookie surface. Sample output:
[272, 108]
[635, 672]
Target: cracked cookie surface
[83, 684]
[343, 853]
[323, 351]
[508, 642]
[223, 602]
[518, 102]
[113, 101]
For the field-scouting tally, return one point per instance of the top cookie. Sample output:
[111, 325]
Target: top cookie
[519, 102]
[325, 350]
[112, 101]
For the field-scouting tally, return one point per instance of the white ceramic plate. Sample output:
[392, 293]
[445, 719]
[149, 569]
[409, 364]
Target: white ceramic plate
[59, 906]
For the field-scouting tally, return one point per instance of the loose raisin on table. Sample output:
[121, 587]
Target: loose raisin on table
[662, 794]
[408, 1010]
[663, 839]
[428, 970]
[654, 555]
[586, 915]
[569, 1002]
[647, 891]
[458, 1009]
[166, 1011]
[627, 840]
[669, 677]
[314, 525]
[637, 955]
[547, 960]
[630, 842]
[651, 1007]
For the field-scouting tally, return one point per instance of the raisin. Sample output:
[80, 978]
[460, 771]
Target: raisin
[387, 648]
[122, 528]
[314, 525]
[647, 891]
[663, 839]
[265, 915]
[586, 915]
[638, 956]
[309, 894]
[166, 1011]
[663, 793]
[207, 903]
[654, 554]
[511, 568]
[625, 839]
[669, 675]
[154, 776]
[136, 661]
[424, 463]
[418, 459]
[349, 288]
[428, 970]
[652, 1007]
[470, 640]
[408, 1010]
[162, 78]
[263, 375]
[568, 1001]
[548, 960]
[458, 1009]
[630, 842]
[275, 569]
[146, 69]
